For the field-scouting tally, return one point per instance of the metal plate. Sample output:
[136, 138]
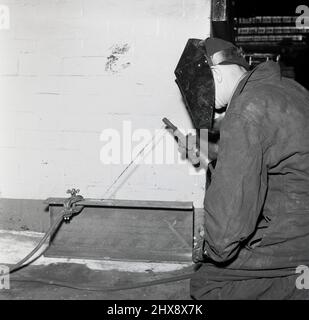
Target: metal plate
[125, 230]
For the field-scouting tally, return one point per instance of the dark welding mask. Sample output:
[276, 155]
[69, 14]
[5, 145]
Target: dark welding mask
[195, 81]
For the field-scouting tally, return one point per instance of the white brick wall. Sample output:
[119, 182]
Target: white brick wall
[56, 95]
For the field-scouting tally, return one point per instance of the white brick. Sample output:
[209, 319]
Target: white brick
[7, 138]
[15, 47]
[89, 85]
[10, 86]
[97, 46]
[9, 171]
[85, 142]
[39, 64]
[63, 9]
[59, 47]
[39, 139]
[28, 92]
[33, 26]
[84, 66]
[29, 101]
[8, 64]
[18, 120]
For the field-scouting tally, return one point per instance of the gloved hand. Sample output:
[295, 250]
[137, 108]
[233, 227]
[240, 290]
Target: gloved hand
[187, 147]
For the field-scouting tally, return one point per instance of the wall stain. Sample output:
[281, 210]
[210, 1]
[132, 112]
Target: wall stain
[112, 65]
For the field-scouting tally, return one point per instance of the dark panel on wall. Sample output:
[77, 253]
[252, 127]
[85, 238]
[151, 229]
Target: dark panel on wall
[221, 23]
[270, 32]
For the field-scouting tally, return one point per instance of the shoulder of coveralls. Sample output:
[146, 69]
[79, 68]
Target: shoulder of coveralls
[252, 106]
[252, 103]
[261, 90]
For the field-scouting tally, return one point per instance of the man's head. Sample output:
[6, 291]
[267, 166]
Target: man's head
[228, 66]
[206, 74]
[226, 78]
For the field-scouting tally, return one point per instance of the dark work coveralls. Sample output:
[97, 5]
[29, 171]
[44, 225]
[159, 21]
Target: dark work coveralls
[256, 208]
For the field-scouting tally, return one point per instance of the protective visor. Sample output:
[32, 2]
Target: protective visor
[195, 81]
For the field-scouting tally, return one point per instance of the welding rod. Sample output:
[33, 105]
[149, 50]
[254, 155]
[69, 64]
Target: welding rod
[169, 124]
[133, 161]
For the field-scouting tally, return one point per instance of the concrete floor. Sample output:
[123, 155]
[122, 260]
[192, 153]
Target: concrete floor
[14, 245]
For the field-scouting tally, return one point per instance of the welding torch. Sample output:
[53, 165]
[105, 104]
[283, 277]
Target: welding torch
[198, 252]
[187, 142]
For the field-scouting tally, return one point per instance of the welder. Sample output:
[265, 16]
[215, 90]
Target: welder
[256, 208]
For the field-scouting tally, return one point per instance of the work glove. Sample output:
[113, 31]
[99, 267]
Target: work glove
[187, 147]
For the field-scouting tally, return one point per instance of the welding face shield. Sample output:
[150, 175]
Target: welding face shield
[196, 83]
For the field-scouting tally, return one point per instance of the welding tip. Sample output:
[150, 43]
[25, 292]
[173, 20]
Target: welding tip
[169, 124]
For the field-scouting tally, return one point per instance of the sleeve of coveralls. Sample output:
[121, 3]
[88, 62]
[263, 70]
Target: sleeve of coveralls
[236, 194]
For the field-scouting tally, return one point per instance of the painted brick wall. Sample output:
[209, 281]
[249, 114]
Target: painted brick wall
[60, 87]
